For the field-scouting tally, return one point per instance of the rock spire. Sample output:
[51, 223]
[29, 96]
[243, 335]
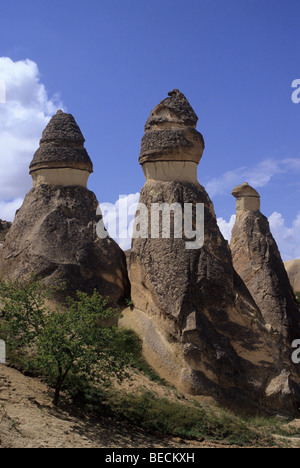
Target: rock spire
[201, 329]
[257, 260]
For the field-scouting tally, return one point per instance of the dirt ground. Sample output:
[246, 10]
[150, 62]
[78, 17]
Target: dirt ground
[29, 420]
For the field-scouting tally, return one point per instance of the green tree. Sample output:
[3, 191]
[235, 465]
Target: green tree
[71, 338]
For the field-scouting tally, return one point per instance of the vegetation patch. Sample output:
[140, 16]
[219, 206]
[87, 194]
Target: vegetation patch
[189, 420]
[70, 339]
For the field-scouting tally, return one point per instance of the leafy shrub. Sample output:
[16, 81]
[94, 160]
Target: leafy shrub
[70, 339]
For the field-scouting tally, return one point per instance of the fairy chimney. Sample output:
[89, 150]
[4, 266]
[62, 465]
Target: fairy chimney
[200, 327]
[54, 234]
[61, 158]
[257, 260]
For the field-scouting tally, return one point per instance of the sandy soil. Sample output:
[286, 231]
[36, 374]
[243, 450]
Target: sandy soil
[29, 420]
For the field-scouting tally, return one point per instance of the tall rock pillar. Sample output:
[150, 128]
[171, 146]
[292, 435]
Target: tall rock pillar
[201, 329]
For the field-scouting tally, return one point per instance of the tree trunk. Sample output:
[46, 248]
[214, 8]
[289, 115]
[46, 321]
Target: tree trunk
[57, 391]
[60, 380]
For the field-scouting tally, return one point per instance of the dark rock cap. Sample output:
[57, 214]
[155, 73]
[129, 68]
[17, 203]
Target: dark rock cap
[245, 190]
[170, 132]
[175, 108]
[62, 146]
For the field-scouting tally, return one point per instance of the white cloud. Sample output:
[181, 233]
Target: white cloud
[226, 227]
[119, 218]
[8, 209]
[23, 117]
[257, 176]
[287, 237]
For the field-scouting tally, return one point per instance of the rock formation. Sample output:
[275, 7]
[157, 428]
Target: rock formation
[4, 228]
[257, 260]
[201, 329]
[293, 270]
[54, 232]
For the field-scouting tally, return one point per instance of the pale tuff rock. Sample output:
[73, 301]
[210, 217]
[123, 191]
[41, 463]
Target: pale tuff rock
[257, 260]
[247, 198]
[293, 270]
[201, 329]
[54, 232]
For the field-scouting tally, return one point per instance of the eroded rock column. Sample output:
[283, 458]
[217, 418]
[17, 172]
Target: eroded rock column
[257, 260]
[201, 329]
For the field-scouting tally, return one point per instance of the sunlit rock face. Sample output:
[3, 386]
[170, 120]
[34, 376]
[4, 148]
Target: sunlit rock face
[247, 198]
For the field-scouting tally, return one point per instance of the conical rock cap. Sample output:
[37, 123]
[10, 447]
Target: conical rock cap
[62, 146]
[170, 132]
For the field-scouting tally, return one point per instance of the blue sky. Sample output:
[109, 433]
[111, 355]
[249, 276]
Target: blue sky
[109, 62]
